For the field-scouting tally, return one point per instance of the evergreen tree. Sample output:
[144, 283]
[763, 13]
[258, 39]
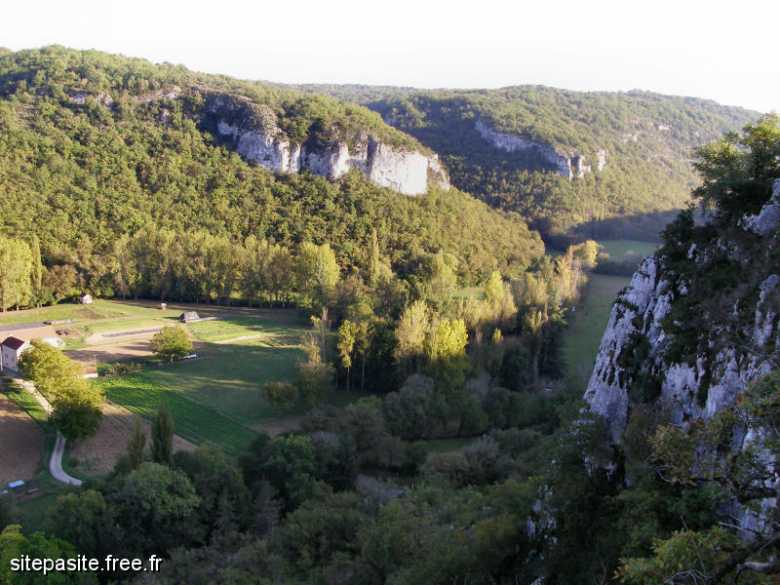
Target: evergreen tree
[162, 437]
[136, 446]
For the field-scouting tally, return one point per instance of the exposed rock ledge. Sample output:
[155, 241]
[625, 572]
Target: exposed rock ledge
[638, 313]
[254, 133]
[574, 166]
[698, 388]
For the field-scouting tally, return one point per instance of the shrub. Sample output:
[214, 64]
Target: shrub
[281, 394]
[171, 343]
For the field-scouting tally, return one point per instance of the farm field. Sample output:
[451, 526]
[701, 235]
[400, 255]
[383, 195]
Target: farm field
[22, 441]
[81, 326]
[218, 396]
[96, 456]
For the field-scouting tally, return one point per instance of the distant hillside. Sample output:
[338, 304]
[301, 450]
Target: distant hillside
[596, 164]
[93, 146]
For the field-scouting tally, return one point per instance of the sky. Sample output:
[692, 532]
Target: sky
[726, 51]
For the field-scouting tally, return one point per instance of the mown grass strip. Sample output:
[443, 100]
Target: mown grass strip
[193, 421]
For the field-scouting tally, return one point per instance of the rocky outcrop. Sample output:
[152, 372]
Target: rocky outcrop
[767, 220]
[650, 353]
[637, 317]
[255, 134]
[733, 352]
[570, 166]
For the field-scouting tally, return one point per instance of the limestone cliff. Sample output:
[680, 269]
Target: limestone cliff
[685, 334]
[256, 134]
[571, 166]
[699, 322]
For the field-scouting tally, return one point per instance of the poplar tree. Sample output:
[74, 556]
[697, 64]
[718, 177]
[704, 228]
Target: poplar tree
[136, 446]
[162, 437]
[347, 335]
[36, 274]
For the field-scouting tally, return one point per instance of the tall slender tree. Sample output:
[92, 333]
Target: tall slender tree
[36, 271]
[136, 446]
[162, 437]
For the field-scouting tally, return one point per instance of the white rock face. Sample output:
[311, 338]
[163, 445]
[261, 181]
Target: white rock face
[638, 313]
[689, 391]
[406, 172]
[575, 166]
[768, 219]
[766, 316]
[258, 139]
[607, 392]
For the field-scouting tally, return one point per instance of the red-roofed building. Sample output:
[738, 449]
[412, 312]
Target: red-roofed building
[10, 351]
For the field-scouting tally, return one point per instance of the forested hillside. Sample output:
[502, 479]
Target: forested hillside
[630, 153]
[94, 146]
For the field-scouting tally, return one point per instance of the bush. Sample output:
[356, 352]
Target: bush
[171, 343]
[119, 368]
[281, 394]
[314, 381]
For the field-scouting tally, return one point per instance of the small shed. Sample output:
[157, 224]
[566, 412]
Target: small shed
[86, 299]
[189, 317]
[11, 350]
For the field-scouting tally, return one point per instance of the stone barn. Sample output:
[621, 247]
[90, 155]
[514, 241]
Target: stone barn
[10, 351]
[189, 317]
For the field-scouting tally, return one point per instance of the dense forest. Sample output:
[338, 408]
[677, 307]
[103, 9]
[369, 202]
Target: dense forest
[647, 140]
[96, 147]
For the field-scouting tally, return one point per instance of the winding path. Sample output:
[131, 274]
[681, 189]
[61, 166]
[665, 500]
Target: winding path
[55, 462]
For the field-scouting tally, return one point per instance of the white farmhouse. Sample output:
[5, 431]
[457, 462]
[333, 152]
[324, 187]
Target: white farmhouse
[10, 351]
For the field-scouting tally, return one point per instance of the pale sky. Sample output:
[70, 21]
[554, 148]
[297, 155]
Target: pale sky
[726, 51]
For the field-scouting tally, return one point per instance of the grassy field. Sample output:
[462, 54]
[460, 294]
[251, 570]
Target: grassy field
[587, 323]
[25, 401]
[627, 250]
[586, 326]
[218, 396]
[99, 310]
[143, 394]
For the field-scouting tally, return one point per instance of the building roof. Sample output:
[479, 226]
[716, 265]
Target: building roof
[13, 342]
